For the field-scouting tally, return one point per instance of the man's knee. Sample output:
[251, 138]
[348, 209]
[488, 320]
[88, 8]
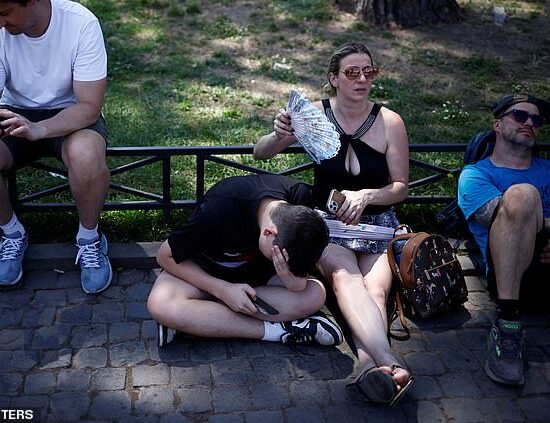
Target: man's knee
[521, 202]
[85, 150]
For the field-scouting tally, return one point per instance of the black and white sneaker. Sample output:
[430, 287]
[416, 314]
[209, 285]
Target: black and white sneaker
[166, 335]
[316, 328]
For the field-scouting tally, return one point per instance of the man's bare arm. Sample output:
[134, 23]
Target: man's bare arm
[484, 214]
[86, 110]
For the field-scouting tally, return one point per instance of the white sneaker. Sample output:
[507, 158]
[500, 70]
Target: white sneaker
[316, 328]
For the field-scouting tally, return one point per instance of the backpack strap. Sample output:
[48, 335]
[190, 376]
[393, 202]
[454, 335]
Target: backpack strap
[400, 313]
[403, 227]
[399, 281]
[394, 308]
[391, 256]
[479, 147]
[396, 289]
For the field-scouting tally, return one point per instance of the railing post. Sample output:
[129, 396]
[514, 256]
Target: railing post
[199, 193]
[166, 191]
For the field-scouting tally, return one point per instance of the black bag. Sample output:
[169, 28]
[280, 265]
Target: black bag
[427, 274]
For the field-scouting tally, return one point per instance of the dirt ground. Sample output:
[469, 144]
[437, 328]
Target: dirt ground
[432, 54]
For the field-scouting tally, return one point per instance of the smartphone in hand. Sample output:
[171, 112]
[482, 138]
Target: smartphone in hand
[335, 201]
[263, 307]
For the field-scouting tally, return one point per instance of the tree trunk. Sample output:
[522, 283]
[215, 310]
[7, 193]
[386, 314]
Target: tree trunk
[404, 13]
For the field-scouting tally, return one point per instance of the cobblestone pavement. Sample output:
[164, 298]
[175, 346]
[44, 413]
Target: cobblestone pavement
[85, 358]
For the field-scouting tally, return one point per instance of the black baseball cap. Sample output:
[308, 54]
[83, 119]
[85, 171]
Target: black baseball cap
[500, 106]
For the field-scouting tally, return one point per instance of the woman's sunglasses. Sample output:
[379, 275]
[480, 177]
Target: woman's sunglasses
[352, 72]
[521, 116]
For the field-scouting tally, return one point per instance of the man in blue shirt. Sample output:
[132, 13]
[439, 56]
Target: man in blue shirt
[506, 200]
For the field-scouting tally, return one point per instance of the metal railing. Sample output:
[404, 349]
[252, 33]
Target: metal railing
[146, 156]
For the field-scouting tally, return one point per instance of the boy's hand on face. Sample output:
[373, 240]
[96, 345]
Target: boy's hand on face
[236, 297]
[280, 262]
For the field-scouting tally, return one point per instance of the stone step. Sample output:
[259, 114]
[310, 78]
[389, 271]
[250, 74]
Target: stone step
[130, 255]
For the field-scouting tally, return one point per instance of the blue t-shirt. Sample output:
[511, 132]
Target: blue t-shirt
[483, 181]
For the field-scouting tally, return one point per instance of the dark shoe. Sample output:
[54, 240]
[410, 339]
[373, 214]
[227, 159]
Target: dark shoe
[316, 328]
[401, 392]
[504, 363]
[379, 387]
[166, 335]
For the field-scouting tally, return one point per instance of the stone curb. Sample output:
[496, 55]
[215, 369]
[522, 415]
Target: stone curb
[142, 255]
[130, 255]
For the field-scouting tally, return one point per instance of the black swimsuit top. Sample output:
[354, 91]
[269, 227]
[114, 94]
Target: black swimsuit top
[332, 173]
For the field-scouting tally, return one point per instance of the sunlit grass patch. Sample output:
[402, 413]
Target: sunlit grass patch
[482, 70]
[308, 10]
[223, 27]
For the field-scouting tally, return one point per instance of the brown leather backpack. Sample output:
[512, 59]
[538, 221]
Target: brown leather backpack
[427, 273]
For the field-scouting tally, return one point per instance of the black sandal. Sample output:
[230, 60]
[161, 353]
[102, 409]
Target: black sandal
[399, 394]
[375, 386]
[378, 387]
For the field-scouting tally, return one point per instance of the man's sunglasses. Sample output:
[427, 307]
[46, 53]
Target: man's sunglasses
[352, 72]
[521, 116]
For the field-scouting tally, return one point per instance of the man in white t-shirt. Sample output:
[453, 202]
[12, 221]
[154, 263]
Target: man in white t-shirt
[53, 68]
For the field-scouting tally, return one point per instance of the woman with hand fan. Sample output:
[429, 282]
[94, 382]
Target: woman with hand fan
[371, 169]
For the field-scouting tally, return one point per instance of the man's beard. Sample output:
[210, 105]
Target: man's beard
[519, 141]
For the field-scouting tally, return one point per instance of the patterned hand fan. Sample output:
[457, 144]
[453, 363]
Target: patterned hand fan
[312, 129]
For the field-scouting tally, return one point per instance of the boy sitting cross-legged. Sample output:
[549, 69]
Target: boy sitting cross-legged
[251, 236]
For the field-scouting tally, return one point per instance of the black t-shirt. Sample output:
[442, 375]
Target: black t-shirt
[224, 226]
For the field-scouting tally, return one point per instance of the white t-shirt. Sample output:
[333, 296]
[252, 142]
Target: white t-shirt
[39, 72]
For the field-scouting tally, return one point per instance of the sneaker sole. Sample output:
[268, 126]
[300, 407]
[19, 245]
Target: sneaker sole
[495, 378]
[161, 340]
[330, 327]
[13, 284]
[165, 335]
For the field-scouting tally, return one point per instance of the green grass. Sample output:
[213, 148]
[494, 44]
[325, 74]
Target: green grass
[187, 73]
